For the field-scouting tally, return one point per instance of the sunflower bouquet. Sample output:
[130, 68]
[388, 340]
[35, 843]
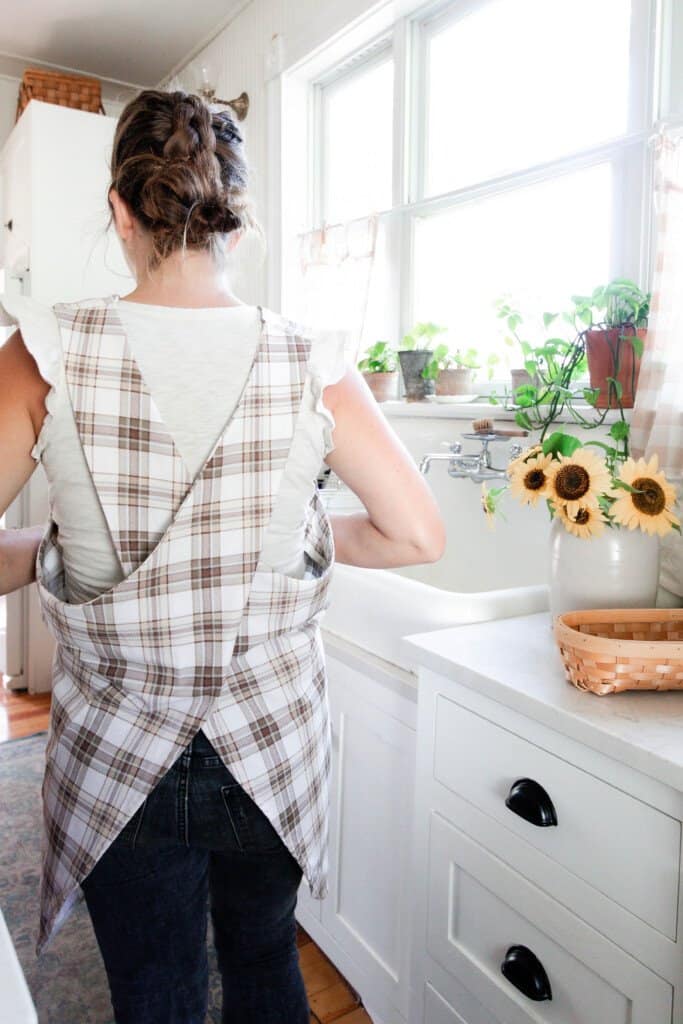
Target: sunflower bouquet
[589, 491]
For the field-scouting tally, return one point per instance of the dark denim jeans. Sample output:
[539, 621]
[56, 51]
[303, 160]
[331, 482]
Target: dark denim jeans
[198, 842]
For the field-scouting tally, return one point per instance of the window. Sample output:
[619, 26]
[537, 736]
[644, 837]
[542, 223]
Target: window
[524, 241]
[512, 84]
[520, 166]
[356, 150]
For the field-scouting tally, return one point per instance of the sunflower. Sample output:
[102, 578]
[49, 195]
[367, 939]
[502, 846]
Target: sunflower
[588, 522]
[649, 505]
[577, 480]
[529, 478]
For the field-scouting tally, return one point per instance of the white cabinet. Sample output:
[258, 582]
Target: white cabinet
[548, 873]
[363, 925]
[15, 168]
[481, 914]
[55, 172]
[484, 763]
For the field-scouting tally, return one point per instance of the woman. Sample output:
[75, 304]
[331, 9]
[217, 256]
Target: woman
[183, 572]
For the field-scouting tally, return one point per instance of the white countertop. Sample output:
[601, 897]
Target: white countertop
[516, 661]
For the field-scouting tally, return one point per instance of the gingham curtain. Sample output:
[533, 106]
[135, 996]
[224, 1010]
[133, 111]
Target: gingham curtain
[657, 420]
[336, 264]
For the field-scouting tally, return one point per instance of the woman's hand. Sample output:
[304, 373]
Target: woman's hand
[18, 551]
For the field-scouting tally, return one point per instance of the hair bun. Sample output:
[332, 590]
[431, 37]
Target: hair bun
[216, 215]
[180, 166]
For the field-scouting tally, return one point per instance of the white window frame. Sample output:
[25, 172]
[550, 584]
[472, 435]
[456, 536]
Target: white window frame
[374, 54]
[407, 35]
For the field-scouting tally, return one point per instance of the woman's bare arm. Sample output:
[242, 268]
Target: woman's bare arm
[402, 524]
[22, 410]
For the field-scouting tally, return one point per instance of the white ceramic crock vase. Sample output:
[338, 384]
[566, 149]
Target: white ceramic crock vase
[618, 569]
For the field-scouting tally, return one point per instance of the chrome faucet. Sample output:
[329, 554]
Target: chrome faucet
[476, 466]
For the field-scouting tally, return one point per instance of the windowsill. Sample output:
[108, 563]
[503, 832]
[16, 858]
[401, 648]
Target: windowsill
[401, 409]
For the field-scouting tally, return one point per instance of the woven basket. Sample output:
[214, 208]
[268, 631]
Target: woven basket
[612, 649]
[78, 91]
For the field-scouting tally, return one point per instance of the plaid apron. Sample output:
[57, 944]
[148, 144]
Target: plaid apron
[197, 634]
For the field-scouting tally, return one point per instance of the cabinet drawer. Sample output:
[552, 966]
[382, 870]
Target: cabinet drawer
[463, 1009]
[478, 909]
[616, 843]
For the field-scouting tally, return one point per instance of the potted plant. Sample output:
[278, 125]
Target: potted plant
[543, 386]
[454, 371]
[622, 505]
[519, 375]
[414, 359]
[556, 363]
[380, 370]
[543, 363]
[615, 342]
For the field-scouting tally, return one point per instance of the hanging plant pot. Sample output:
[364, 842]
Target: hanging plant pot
[413, 362]
[602, 345]
[618, 569]
[455, 380]
[384, 385]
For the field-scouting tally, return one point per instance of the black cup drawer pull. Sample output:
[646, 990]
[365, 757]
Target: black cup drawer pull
[524, 970]
[531, 802]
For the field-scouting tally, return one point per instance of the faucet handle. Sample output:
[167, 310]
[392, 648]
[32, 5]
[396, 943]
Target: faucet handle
[515, 449]
[454, 446]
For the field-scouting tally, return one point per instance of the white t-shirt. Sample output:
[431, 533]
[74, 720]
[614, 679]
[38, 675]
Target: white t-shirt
[194, 362]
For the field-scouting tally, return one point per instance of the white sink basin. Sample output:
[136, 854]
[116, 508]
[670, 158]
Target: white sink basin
[373, 608]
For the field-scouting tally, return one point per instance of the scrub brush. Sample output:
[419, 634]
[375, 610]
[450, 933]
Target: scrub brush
[485, 426]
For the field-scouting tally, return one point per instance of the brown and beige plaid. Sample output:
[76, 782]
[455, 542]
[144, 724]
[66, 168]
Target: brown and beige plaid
[197, 634]
[657, 420]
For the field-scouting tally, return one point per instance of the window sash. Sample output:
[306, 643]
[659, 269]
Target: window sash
[632, 218]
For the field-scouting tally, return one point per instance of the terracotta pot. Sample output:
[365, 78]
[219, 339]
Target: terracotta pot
[413, 362]
[600, 348]
[455, 380]
[384, 386]
[519, 377]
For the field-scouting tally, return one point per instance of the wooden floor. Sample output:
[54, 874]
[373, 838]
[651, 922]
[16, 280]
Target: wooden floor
[330, 996]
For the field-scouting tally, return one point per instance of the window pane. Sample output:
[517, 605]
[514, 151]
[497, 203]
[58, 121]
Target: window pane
[541, 244]
[357, 140]
[518, 82]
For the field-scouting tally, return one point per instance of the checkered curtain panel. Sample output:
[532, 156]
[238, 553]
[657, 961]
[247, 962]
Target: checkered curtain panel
[657, 421]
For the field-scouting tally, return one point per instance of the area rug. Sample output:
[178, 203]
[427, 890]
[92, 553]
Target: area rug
[68, 984]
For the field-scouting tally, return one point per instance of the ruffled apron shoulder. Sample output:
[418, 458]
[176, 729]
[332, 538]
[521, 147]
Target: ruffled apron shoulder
[40, 333]
[328, 364]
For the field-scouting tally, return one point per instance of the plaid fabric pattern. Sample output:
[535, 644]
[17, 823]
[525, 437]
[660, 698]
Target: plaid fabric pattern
[197, 634]
[657, 421]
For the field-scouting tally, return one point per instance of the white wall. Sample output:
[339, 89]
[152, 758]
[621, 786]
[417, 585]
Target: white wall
[237, 60]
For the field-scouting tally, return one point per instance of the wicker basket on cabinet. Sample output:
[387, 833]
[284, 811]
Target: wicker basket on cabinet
[614, 649]
[78, 91]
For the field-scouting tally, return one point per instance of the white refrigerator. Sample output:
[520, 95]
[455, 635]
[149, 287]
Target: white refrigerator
[54, 175]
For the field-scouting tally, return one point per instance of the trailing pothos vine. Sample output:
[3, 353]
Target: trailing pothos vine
[554, 364]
